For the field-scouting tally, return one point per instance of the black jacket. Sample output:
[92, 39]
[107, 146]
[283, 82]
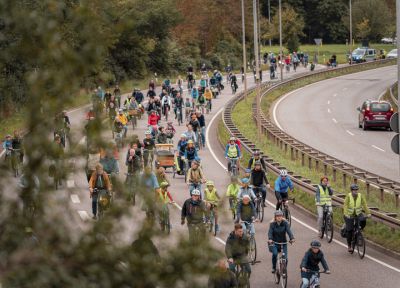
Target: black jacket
[202, 121]
[257, 178]
[193, 211]
[311, 261]
[236, 247]
[277, 232]
[222, 279]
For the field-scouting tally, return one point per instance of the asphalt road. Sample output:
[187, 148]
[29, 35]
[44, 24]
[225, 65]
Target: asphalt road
[324, 116]
[347, 270]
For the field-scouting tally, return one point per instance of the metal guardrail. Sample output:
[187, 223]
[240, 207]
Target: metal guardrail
[339, 167]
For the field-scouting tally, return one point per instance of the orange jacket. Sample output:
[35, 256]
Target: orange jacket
[93, 179]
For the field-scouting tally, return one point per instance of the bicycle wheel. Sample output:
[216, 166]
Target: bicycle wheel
[360, 245]
[243, 279]
[261, 213]
[211, 222]
[167, 223]
[253, 250]
[277, 276]
[288, 216]
[329, 228]
[283, 272]
[353, 243]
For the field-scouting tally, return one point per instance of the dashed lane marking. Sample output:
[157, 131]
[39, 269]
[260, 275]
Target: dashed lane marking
[352, 134]
[329, 102]
[75, 199]
[70, 183]
[329, 110]
[334, 120]
[84, 215]
[377, 148]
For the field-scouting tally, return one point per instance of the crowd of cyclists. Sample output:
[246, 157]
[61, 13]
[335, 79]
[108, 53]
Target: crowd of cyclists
[143, 170]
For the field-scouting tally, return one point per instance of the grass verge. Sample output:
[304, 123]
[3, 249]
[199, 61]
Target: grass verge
[379, 233]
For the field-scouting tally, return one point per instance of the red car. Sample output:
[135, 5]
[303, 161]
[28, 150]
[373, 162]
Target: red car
[374, 113]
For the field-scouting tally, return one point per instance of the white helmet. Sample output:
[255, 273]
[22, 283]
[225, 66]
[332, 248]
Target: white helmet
[183, 135]
[195, 192]
[147, 132]
[283, 173]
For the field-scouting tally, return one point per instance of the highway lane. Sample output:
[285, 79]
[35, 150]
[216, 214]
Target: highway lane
[324, 116]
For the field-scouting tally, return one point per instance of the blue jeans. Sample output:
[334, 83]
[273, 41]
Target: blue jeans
[275, 249]
[203, 135]
[306, 282]
[252, 229]
[94, 203]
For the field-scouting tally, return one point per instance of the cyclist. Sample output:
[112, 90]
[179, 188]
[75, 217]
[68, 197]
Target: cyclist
[99, 180]
[212, 199]
[195, 177]
[201, 101]
[222, 277]
[247, 173]
[190, 134]
[196, 127]
[282, 185]
[208, 95]
[148, 148]
[190, 153]
[16, 144]
[153, 119]
[160, 174]
[257, 157]
[278, 229]
[166, 103]
[178, 105]
[234, 82]
[7, 146]
[323, 196]
[133, 162]
[353, 207]
[246, 212]
[181, 147]
[124, 121]
[259, 181]
[162, 137]
[110, 164]
[232, 153]
[170, 131]
[195, 95]
[246, 190]
[194, 211]
[237, 248]
[232, 192]
[202, 122]
[311, 261]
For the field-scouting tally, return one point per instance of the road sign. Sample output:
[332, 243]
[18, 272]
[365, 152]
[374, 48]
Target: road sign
[394, 122]
[395, 144]
[318, 41]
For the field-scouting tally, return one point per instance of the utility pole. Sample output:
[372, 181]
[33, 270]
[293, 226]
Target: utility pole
[244, 51]
[259, 31]
[256, 56]
[269, 20]
[351, 32]
[280, 38]
[398, 60]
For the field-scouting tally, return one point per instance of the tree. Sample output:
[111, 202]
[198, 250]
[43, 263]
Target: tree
[363, 29]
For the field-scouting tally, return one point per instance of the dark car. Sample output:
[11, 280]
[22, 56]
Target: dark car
[375, 113]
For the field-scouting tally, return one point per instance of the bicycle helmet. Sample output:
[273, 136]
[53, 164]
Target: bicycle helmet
[190, 142]
[232, 139]
[315, 244]
[246, 197]
[278, 213]
[210, 183]
[120, 111]
[195, 192]
[354, 187]
[183, 135]
[147, 132]
[245, 180]
[283, 173]
[164, 184]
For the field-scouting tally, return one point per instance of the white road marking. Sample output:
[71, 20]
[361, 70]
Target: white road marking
[82, 141]
[84, 215]
[381, 95]
[329, 102]
[220, 240]
[349, 133]
[329, 110]
[75, 199]
[345, 88]
[70, 183]
[377, 148]
[334, 120]
[334, 95]
[276, 108]
[208, 137]
[311, 228]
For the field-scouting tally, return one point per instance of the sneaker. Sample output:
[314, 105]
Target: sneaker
[273, 271]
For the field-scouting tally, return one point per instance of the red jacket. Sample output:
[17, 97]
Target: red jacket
[153, 119]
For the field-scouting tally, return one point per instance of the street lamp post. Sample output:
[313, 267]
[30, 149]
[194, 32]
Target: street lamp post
[244, 51]
[351, 32]
[398, 59]
[258, 96]
[269, 19]
[280, 38]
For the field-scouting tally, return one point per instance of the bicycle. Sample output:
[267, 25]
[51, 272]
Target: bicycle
[179, 115]
[233, 205]
[281, 271]
[198, 232]
[103, 201]
[242, 276]
[253, 245]
[208, 106]
[358, 239]
[234, 87]
[327, 223]
[233, 169]
[259, 203]
[166, 112]
[315, 279]
[16, 161]
[164, 219]
[286, 211]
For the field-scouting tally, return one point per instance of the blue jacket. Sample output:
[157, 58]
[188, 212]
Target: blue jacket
[227, 148]
[191, 154]
[277, 232]
[182, 147]
[245, 212]
[195, 93]
[311, 261]
[283, 186]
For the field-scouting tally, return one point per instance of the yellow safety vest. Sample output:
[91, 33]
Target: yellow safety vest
[232, 151]
[324, 197]
[164, 197]
[211, 196]
[354, 207]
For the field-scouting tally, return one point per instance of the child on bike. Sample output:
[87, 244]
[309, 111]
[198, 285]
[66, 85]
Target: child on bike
[232, 192]
[212, 199]
[310, 263]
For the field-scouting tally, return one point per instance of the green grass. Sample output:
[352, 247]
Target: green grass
[326, 51]
[376, 232]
